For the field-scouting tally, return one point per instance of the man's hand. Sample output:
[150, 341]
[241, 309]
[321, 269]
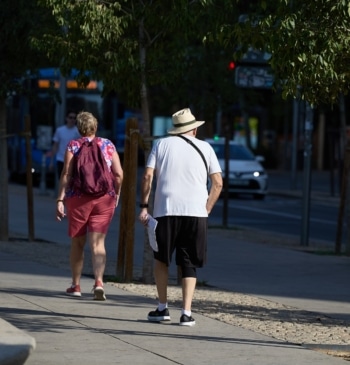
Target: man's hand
[143, 216]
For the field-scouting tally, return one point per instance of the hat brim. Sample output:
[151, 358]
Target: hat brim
[184, 129]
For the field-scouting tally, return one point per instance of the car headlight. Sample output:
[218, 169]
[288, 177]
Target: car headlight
[258, 173]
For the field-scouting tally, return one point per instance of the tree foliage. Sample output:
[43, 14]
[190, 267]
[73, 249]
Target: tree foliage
[20, 21]
[106, 39]
[309, 42]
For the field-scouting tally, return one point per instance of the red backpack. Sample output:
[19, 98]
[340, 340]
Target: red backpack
[91, 175]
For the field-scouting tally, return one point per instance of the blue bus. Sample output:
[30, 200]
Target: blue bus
[46, 115]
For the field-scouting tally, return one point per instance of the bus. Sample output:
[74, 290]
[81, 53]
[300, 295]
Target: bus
[47, 112]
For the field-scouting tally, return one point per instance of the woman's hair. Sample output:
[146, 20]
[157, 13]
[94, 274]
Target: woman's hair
[86, 124]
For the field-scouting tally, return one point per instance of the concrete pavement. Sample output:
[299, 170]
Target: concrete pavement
[82, 331]
[15, 344]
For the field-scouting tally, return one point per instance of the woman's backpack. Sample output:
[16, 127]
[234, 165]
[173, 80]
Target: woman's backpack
[91, 175]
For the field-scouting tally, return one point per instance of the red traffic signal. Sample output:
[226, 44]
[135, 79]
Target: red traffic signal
[231, 66]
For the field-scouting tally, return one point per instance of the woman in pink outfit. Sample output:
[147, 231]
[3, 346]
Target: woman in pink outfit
[88, 216]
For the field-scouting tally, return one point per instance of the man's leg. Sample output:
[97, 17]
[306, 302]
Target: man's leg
[161, 278]
[189, 280]
[188, 287]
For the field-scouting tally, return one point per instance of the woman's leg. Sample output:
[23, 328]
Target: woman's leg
[99, 221]
[98, 254]
[77, 258]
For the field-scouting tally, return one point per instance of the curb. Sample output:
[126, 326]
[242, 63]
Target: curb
[15, 345]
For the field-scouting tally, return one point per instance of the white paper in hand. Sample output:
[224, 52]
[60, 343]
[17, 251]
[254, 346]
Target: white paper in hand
[151, 230]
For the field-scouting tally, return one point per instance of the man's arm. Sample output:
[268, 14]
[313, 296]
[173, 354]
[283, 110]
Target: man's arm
[146, 186]
[215, 190]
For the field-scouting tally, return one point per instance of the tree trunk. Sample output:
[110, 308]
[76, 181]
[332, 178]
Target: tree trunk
[124, 208]
[147, 271]
[4, 223]
[133, 137]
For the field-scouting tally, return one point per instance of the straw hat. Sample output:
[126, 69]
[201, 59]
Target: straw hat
[184, 121]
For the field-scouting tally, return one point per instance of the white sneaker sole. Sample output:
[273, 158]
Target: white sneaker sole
[158, 319]
[99, 293]
[74, 294]
[188, 324]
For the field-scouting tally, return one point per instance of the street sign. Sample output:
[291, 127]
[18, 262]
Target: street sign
[254, 77]
[255, 56]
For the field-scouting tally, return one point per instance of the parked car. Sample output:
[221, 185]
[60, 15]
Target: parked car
[246, 174]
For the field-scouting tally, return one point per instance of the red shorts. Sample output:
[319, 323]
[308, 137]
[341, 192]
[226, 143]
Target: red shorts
[89, 214]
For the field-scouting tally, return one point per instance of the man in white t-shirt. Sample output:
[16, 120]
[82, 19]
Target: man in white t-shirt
[181, 207]
[62, 136]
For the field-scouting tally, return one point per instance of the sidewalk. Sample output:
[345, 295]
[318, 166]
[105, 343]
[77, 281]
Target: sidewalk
[81, 331]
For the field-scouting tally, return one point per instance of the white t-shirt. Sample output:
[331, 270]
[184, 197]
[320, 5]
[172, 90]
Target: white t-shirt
[181, 176]
[62, 136]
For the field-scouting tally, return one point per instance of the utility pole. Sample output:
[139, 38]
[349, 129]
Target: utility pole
[307, 175]
[294, 144]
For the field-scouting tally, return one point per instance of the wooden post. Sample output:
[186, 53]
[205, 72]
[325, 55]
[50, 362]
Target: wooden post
[122, 222]
[130, 233]
[29, 180]
[123, 213]
[128, 203]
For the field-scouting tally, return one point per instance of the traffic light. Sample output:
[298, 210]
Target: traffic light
[231, 65]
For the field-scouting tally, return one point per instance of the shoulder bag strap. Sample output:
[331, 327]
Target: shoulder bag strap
[197, 149]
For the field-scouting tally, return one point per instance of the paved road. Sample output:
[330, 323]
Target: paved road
[281, 214]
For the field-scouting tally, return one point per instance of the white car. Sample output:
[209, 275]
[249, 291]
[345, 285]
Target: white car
[246, 174]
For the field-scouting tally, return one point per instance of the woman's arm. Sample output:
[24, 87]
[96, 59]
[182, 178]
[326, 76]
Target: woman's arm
[117, 172]
[64, 179]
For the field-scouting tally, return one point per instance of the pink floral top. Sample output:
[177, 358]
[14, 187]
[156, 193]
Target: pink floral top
[107, 148]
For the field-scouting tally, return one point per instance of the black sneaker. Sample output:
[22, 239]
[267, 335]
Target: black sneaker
[187, 321]
[158, 316]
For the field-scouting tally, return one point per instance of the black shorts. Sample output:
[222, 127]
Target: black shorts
[188, 235]
[59, 165]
